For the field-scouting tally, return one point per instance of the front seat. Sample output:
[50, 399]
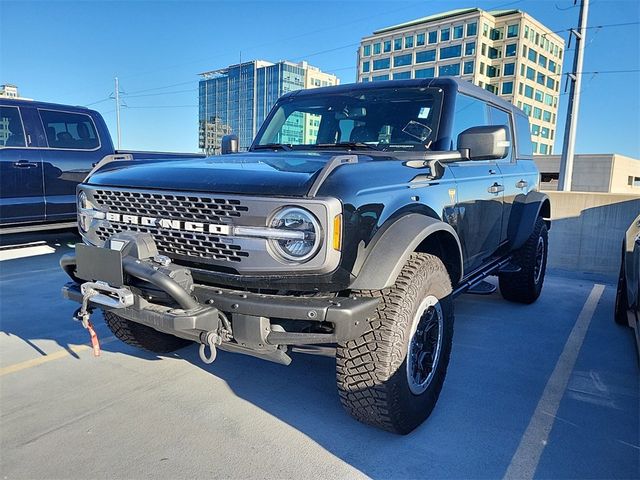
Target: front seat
[65, 139]
[362, 135]
[85, 137]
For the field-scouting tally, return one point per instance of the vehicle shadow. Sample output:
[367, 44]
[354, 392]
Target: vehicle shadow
[31, 305]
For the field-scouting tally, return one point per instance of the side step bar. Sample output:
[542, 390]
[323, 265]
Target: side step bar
[478, 277]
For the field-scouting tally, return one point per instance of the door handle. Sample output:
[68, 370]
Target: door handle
[495, 188]
[522, 184]
[24, 164]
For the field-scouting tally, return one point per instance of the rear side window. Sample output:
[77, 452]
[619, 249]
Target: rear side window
[523, 137]
[69, 130]
[11, 130]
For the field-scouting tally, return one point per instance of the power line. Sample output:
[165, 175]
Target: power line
[161, 106]
[609, 25]
[162, 93]
[99, 101]
[596, 72]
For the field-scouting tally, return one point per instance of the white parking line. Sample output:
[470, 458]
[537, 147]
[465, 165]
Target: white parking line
[526, 458]
[57, 355]
[28, 251]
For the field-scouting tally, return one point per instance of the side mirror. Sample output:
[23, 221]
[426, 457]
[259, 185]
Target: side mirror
[488, 142]
[229, 144]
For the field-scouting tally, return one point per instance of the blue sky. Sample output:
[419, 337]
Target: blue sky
[69, 52]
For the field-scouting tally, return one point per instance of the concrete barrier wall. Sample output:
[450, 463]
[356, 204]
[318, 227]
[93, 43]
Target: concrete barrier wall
[587, 230]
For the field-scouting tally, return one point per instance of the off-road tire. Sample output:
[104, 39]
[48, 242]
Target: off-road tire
[620, 313]
[525, 286]
[371, 370]
[141, 336]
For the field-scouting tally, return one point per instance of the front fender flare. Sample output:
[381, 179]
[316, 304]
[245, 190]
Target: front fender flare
[392, 246]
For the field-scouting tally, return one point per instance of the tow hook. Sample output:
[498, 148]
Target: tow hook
[83, 315]
[209, 339]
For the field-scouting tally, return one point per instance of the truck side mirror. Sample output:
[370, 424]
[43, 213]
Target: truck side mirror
[488, 142]
[229, 144]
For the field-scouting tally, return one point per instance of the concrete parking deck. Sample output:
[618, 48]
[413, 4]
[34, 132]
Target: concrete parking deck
[546, 390]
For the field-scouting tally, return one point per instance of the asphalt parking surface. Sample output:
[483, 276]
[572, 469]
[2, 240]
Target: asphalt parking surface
[546, 390]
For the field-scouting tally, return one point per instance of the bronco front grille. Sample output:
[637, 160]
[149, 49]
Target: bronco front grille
[183, 243]
[196, 208]
[184, 207]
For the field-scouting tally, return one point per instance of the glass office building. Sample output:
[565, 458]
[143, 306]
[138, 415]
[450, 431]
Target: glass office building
[506, 52]
[238, 98]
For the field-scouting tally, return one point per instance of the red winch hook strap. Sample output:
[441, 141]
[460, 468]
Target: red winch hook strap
[94, 340]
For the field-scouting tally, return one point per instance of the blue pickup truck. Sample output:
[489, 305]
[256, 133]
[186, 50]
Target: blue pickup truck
[46, 150]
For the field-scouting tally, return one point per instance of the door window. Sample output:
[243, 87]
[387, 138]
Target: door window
[11, 129]
[469, 113]
[74, 131]
[500, 117]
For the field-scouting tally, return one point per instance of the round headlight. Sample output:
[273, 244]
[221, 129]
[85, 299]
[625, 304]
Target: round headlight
[83, 203]
[303, 246]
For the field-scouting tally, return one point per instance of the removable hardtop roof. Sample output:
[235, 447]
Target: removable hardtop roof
[448, 84]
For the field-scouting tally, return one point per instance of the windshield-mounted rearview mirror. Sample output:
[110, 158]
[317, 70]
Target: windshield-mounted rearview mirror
[488, 142]
[229, 144]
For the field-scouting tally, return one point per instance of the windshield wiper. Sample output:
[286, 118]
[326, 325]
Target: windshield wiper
[273, 146]
[362, 145]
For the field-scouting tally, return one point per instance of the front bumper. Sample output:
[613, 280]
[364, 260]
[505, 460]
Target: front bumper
[261, 325]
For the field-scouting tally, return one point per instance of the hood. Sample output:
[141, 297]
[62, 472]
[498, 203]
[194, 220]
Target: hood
[263, 173]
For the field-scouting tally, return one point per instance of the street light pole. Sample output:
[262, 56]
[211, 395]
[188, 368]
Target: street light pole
[117, 95]
[575, 79]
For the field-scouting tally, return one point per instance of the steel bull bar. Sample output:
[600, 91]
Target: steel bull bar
[127, 275]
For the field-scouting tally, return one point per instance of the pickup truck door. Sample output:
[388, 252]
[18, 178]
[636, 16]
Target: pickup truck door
[479, 198]
[74, 146]
[21, 178]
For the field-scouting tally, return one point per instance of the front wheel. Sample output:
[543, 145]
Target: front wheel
[391, 377]
[141, 336]
[525, 286]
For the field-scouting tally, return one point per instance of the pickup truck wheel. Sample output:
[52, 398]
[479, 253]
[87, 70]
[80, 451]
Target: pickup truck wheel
[141, 336]
[620, 313]
[392, 375]
[525, 286]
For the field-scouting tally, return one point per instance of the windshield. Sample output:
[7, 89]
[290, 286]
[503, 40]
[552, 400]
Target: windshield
[384, 118]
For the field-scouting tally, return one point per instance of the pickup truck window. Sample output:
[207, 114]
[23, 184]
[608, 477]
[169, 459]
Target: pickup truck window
[11, 129]
[379, 118]
[69, 130]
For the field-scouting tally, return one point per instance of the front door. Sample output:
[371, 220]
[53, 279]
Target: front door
[479, 192]
[21, 178]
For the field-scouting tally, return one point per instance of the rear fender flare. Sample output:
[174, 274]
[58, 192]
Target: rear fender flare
[525, 211]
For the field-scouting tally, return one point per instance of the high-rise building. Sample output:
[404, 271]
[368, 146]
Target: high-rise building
[506, 52]
[10, 91]
[238, 98]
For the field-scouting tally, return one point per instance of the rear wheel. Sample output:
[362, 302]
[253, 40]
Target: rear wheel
[391, 376]
[141, 336]
[525, 286]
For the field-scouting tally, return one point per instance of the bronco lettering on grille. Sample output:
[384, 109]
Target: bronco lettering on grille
[166, 223]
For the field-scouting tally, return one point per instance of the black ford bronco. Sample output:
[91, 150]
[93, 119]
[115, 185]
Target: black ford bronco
[353, 221]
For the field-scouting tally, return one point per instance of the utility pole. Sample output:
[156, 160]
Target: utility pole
[575, 79]
[117, 96]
